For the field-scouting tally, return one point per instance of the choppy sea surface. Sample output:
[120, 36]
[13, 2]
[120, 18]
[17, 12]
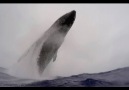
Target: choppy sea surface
[114, 78]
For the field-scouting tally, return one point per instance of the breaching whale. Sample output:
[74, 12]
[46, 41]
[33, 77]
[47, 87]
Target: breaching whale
[45, 48]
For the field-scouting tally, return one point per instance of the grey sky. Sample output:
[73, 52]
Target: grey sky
[97, 41]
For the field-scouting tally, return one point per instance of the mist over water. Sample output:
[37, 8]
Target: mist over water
[28, 67]
[97, 41]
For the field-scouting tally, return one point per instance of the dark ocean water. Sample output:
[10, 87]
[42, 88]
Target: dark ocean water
[114, 78]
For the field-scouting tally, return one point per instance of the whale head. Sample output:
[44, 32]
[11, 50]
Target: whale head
[65, 22]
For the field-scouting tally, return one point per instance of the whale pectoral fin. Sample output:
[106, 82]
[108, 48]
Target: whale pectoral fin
[54, 58]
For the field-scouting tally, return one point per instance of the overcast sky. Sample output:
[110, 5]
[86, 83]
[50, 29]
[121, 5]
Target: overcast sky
[98, 40]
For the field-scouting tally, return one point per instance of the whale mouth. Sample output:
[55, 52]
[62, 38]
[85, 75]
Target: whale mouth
[68, 18]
